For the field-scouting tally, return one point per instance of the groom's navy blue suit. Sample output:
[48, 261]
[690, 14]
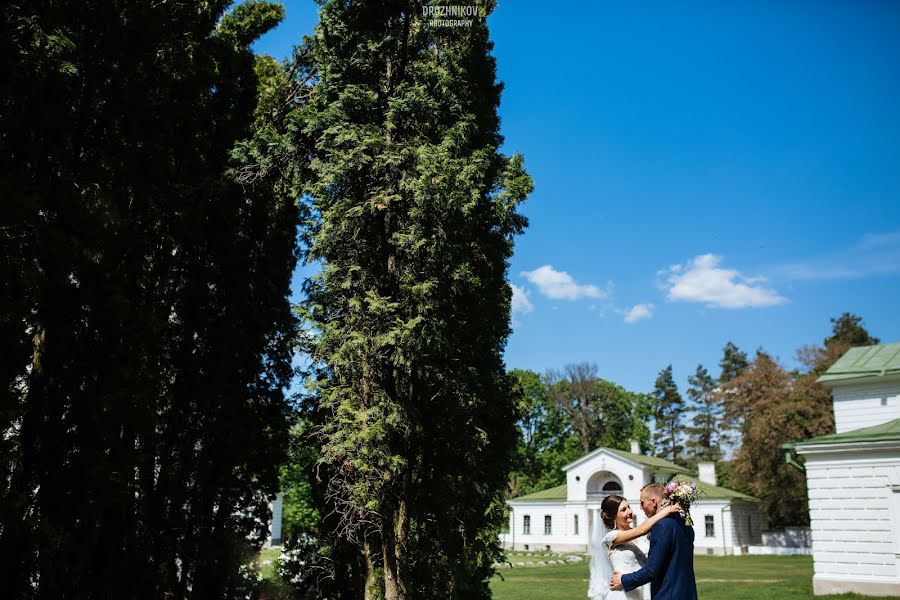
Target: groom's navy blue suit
[670, 566]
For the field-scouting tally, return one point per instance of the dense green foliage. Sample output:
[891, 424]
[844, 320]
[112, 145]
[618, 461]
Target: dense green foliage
[565, 413]
[545, 444]
[145, 326]
[599, 412]
[414, 213]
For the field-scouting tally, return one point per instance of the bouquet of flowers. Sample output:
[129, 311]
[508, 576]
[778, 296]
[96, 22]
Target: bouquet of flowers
[682, 493]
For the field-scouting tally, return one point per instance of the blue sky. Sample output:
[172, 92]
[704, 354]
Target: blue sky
[703, 172]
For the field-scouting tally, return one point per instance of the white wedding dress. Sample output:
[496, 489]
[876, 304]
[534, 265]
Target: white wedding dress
[625, 558]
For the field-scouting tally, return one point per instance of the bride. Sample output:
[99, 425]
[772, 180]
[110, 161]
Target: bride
[613, 547]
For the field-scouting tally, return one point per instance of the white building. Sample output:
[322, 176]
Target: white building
[854, 477]
[560, 518]
[276, 506]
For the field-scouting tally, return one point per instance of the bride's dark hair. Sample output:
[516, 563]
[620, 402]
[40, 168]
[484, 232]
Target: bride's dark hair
[609, 508]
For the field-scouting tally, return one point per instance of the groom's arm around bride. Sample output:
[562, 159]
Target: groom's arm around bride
[662, 545]
[670, 564]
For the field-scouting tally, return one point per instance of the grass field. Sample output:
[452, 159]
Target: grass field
[718, 578]
[268, 555]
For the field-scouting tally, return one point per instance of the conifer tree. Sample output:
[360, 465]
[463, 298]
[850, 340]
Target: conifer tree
[146, 357]
[415, 213]
[704, 435]
[733, 363]
[669, 405]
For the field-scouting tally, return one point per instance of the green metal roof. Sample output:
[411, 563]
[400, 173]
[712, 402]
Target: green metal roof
[865, 361]
[714, 492]
[560, 492]
[877, 433]
[660, 464]
[554, 493]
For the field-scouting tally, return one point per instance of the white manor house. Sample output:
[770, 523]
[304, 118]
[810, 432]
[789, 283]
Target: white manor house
[560, 518]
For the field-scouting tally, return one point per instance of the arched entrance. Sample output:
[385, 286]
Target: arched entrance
[602, 484]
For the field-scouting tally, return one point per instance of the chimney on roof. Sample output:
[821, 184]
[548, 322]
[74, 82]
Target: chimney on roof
[635, 447]
[706, 472]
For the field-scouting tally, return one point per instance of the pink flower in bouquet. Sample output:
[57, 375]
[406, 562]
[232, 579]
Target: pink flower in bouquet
[683, 493]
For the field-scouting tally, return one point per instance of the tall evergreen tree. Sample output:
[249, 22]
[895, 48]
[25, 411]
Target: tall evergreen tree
[705, 434]
[146, 357]
[415, 216]
[733, 363]
[847, 332]
[848, 329]
[669, 405]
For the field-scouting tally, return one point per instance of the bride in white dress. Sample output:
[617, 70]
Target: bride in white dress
[612, 547]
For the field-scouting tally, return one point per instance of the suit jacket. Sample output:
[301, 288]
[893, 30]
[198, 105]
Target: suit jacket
[670, 566]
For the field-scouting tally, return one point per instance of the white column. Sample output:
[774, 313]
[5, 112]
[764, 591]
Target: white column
[592, 519]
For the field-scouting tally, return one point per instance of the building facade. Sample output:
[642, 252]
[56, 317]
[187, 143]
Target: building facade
[853, 477]
[561, 518]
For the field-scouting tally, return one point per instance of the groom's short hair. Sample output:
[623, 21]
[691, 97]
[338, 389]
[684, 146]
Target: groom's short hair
[654, 490]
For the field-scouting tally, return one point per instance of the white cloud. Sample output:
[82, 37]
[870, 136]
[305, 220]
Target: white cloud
[559, 285]
[702, 280]
[638, 312]
[520, 301]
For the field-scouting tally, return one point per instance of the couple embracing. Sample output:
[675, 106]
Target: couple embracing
[619, 566]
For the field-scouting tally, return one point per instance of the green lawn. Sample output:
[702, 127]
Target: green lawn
[269, 555]
[718, 578]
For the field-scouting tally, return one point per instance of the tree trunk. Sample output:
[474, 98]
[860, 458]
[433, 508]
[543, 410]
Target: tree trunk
[396, 528]
[372, 591]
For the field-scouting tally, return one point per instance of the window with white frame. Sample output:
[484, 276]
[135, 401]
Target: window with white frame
[710, 526]
[548, 525]
[526, 524]
[576, 524]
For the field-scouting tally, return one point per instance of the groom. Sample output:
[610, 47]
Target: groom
[670, 565]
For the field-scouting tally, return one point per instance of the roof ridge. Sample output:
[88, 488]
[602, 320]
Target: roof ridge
[865, 361]
[889, 430]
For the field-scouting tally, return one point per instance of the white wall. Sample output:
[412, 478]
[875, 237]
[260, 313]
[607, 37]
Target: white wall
[791, 537]
[854, 501]
[562, 536]
[715, 544]
[865, 404]
[748, 523]
[735, 524]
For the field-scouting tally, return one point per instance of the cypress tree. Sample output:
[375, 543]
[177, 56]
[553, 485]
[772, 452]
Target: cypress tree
[415, 213]
[144, 414]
